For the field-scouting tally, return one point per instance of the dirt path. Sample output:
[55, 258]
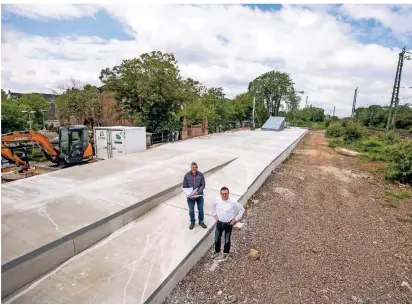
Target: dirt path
[329, 230]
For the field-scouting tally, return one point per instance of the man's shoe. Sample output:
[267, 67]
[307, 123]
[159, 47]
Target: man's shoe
[202, 224]
[192, 225]
[214, 255]
[225, 256]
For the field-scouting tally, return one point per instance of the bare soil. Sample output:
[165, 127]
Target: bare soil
[328, 228]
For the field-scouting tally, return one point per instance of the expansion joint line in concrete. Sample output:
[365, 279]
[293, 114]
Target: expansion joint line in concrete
[175, 206]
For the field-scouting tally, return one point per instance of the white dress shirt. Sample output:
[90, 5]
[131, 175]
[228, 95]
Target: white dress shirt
[225, 209]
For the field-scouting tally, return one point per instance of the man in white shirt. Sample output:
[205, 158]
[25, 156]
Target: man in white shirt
[223, 210]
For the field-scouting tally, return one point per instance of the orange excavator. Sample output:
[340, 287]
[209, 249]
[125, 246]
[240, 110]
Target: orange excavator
[73, 145]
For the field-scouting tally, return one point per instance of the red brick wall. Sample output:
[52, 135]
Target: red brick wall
[194, 130]
[110, 115]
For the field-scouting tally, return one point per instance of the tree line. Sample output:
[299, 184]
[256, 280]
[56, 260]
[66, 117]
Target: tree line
[151, 92]
[15, 111]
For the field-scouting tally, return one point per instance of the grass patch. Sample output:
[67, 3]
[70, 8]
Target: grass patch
[390, 205]
[385, 147]
[397, 195]
[335, 143]
[406, 220]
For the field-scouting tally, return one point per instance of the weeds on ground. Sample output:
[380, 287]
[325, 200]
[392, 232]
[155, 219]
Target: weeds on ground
[408, 219]
[335, 143]
[386, 146]
[397, 196]
[390, 205]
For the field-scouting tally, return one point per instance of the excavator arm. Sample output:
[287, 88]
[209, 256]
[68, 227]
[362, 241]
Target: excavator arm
[7, 153]
[30, 136]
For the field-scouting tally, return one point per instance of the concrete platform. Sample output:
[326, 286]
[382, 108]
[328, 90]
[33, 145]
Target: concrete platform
[49, 218]
[62, 202]
[142, 261]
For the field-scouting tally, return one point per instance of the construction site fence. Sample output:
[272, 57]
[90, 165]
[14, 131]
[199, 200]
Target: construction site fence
[173, 136]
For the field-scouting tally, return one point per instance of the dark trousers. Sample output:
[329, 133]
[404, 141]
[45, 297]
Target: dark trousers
[191, 204]
[220, 228]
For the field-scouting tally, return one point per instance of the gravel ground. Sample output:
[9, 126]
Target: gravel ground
[327, 229]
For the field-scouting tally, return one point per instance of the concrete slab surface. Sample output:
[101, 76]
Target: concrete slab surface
[131, 264]
[125, 267]
[39, 210]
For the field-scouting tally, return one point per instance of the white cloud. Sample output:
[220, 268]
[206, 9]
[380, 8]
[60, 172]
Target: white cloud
[319, 51]
[50, 11]
[399, 20]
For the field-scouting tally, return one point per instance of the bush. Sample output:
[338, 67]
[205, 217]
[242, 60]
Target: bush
[389, 137]
[370, 145]
[345, 122]
[400, 166]
[353, 131]
[335, 130]
[335, 143]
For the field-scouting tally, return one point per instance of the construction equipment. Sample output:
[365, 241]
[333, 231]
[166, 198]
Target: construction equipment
[73, 145]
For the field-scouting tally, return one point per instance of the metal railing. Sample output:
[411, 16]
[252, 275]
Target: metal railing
[169, 137]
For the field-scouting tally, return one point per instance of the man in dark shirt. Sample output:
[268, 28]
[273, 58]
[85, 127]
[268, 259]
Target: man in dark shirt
[195, 180]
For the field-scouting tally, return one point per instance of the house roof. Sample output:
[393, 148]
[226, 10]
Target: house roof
[48, 96]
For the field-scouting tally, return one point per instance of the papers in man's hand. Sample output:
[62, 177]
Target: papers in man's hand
[189, 191]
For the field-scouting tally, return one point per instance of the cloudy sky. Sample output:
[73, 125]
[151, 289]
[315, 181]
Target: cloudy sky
[328, 50]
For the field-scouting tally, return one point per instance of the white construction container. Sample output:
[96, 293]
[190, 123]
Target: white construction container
[114, 141]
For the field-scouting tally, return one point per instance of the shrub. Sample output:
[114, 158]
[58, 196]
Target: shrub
[353, 131]
[345, 122]
[389, 137]
[335, 143]
[335, 130]
[370, 145]
[400, 165]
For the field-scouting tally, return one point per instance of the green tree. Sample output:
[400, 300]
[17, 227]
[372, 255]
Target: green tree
[150, 87]
[292, 104]
[81, 103]
[196, 111]
[35, 102]
[243, 106]
[310, 114]
[220, 110]
[12, 118]
[273, 86]
[403, 119]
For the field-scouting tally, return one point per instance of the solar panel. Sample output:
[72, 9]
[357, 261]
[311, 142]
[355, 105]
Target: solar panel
[274, 123]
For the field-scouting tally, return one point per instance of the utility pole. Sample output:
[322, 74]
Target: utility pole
[395, 112]
[333, 110]
[354, 102]
[396, 87]
[306, 101]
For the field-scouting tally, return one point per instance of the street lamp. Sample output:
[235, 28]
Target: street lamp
[29, 112]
